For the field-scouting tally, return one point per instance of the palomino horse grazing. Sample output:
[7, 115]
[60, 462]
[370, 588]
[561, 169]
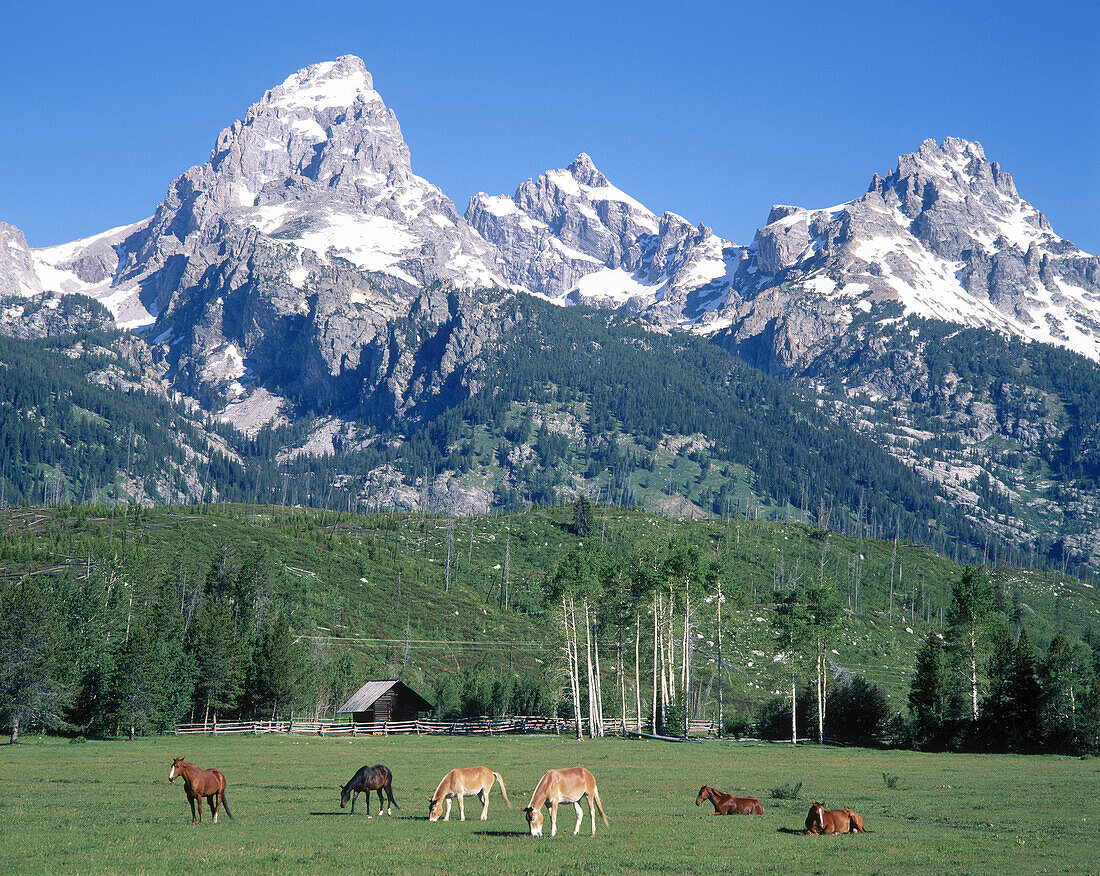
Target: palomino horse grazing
[818, 820]
[727, 804]
[564, 786]
[465, 783]
[369, 778]
[201, 783]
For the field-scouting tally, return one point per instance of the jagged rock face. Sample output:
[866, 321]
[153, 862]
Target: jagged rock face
[945, 236]
[48, 315]
[284, 259]
[573, 237]
[17, 275]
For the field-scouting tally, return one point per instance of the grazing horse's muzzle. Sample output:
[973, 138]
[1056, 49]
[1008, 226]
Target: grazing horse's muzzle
[534, 820]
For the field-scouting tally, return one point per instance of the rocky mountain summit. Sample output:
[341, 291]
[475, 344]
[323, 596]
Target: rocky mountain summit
[573, 237]
[305, 270]
[945, 237]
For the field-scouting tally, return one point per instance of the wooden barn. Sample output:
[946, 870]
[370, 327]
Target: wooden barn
[390, 700]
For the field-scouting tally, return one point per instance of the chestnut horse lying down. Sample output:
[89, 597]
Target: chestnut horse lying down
[367, 779]
[563, 786]
[818, 820]
[198, 784]
[727, 804]
[462, 783]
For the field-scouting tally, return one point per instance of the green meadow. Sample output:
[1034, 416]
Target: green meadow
[107, 806]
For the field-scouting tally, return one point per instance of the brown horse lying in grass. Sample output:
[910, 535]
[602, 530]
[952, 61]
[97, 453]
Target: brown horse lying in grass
[727, 804]
[563, 786]
[462, 783]
[198, 784]
[818, 820]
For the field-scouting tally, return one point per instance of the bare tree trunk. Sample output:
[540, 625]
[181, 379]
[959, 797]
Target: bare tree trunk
[721, 724]
[686, 656]
[598, 676]
[974, 673]
[570, 657]
[656, 649]
[622, 688]
[637, 671]
[664, 666]
[794, 699]
[450, 545]
[820, 697]
[588, 662]
[794, 710]
[14, 729]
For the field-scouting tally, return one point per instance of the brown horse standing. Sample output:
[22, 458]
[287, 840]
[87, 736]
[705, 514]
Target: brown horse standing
[727, 804]
[201, 783]
[369, 778]
[819, 821]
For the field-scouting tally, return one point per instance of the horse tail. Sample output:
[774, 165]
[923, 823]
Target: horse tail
[599, 805]
[225, 803]
[503, 793]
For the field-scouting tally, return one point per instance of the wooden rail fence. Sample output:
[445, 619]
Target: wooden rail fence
[484, 726]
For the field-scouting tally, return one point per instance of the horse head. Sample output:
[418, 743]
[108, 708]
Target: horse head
[815, 818]
[177, 768]
[345, 795]
[435, 808]
[703, 795]
[534, 819]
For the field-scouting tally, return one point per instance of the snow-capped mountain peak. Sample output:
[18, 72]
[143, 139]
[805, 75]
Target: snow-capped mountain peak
[573, 237]
[338, 84]
[945, 235]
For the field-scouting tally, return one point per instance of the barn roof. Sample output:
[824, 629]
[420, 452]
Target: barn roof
[369, 693]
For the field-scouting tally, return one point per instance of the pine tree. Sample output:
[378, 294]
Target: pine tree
[279, 668]
[1026, 701]
[928, 694]
[582, 515]
[218, 656]
[33, 658]
[1059, 708]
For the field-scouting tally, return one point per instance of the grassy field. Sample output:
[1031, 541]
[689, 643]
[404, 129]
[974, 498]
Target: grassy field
[107, 806]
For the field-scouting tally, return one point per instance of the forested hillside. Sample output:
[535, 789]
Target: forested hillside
[567, 401]
[144, 617]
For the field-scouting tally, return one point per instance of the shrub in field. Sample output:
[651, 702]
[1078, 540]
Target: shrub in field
[857, 713]
[891, 782]
[773, 717]
[786, 792]
[737, 725]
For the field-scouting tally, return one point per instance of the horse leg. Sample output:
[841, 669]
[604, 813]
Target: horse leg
[591, 813]
[580, 818]
[383, 809]
[191, 800]
[484, 804]
[354, 794]
[447, 816]
[213, 801]
[461, 807]
[553, 818]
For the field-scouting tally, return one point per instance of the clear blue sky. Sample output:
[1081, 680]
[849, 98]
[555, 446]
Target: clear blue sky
[712, 110]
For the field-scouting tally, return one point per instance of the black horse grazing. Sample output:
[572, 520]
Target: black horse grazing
[369, 778]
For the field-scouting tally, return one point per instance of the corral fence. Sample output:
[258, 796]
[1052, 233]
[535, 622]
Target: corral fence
[484, 726]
